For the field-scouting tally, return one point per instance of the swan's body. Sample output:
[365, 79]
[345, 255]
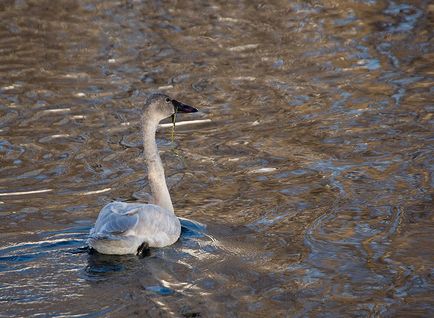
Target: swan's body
[123, 228]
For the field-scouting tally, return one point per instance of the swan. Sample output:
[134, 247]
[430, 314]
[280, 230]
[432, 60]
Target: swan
[130, 228]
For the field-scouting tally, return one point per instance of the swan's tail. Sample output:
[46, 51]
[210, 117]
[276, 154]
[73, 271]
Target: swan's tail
[113, 244]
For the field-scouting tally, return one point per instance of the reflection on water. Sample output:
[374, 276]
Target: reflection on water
[314, 176]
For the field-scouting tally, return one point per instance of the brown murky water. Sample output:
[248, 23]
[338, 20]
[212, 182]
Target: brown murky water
[314, 178]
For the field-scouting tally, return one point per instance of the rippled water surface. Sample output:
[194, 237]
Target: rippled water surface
[313, 180]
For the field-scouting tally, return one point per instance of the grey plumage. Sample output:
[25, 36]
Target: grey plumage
[121, 228]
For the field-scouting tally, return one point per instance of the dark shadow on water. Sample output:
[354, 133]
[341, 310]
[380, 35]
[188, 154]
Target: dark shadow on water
[101, 265]
[46, 245]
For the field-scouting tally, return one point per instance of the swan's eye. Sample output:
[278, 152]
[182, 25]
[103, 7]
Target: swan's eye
[168, 100]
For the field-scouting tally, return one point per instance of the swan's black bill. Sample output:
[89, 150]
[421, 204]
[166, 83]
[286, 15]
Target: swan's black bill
[183, 108]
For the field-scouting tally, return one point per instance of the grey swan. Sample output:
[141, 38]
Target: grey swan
[129, 228]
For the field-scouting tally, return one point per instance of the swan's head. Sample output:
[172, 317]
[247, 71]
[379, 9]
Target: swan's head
[161, 106]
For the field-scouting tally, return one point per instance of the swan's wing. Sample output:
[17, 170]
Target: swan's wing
[119, 221]
[116, 218]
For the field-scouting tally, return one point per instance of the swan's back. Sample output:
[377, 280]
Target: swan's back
[122, 227]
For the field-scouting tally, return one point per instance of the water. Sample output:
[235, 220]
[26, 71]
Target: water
[313, 180]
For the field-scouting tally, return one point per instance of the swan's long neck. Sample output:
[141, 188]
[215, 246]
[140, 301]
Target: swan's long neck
[157, 180]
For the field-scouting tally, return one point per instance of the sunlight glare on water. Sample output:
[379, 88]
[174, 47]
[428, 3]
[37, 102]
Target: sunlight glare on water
[309, 177]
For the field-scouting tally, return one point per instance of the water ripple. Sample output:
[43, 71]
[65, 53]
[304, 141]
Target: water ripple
[310, 162]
